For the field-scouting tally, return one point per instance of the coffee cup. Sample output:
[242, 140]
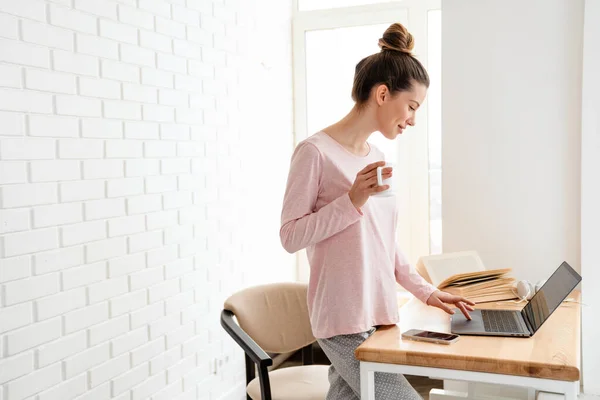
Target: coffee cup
[381, 182]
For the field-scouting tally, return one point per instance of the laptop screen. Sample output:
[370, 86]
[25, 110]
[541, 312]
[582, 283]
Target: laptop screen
[549, 297]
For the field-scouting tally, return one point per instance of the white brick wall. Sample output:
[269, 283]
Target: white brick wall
[144, 147]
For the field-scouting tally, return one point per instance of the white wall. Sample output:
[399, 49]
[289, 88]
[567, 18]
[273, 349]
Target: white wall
[521, 152]
[590, 197]
[511, 132]
[133, 161]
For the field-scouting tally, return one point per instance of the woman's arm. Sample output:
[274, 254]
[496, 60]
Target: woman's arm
[410, 279]
[424, 291]
[301, 225]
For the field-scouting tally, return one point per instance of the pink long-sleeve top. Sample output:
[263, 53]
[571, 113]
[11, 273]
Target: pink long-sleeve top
[354, 259]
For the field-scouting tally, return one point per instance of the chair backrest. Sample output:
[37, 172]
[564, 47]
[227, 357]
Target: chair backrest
[275, 316]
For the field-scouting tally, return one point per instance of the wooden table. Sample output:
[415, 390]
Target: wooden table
[549, 361]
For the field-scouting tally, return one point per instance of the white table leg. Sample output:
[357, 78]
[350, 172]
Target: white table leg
[570, 392]
[531, 393]
[367, 382]
[571, 389]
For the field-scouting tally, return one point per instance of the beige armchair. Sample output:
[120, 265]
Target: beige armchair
[274, 318]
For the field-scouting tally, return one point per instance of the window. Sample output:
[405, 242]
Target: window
[434, 128]
[329, 38]
[304, 5]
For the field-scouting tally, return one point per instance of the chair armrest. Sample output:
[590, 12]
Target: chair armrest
[256, 354]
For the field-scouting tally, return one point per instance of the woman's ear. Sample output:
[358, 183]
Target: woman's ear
[381, 94]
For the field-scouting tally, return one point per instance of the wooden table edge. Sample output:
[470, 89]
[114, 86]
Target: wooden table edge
[565, 373]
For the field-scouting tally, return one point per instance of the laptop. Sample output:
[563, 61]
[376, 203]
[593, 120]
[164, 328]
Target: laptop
[526, 322]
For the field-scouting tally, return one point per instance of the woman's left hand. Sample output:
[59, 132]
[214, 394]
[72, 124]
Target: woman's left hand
[440, 300]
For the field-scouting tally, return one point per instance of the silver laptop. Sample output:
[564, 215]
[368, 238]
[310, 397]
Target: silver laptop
[526, 322]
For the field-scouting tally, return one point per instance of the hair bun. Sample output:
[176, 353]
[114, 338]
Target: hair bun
[397, 38]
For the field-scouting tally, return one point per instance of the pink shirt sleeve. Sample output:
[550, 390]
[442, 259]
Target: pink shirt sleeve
[301, 224]
[410, 279]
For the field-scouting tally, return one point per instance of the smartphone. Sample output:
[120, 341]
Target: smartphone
[428, 336]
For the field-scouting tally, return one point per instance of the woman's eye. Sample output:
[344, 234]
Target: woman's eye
[412, 108]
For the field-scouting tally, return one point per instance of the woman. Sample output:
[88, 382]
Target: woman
[329, 209]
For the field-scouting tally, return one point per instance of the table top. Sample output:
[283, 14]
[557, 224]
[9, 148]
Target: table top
[553, 352]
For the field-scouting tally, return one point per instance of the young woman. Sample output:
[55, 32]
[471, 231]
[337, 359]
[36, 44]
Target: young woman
[349, 234]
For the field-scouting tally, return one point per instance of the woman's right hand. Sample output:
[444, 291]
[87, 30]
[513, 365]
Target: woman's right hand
[365, 183]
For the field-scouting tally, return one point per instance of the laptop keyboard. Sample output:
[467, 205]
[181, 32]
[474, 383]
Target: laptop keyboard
[500, 321]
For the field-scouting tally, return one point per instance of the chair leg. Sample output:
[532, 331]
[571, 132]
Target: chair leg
[250, 372]
[265, 384]
[307, 355]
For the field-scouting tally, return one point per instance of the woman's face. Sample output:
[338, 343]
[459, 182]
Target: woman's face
[397, 111]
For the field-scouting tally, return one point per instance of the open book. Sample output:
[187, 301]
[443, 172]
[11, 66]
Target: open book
[463, 273]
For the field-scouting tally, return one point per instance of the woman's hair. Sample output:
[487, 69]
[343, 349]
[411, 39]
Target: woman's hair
[394, 66]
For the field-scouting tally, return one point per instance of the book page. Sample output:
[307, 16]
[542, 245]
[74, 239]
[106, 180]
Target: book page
[442, 266]
[474, 281]
[473, 277]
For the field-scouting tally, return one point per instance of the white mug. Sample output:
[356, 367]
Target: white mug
[380, 182]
